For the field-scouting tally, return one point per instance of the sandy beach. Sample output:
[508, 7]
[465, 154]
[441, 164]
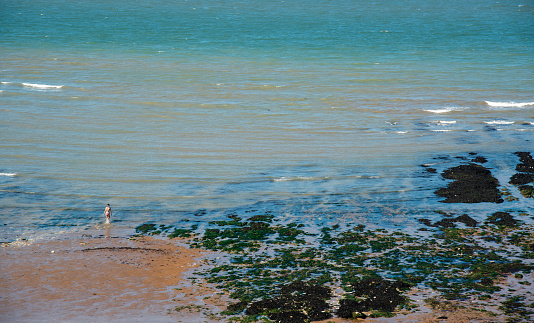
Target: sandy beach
[95, 278]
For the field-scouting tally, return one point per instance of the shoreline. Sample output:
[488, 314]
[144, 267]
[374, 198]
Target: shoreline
[456, 266]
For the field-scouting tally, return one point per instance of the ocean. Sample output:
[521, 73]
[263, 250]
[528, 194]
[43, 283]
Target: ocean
[178, 111]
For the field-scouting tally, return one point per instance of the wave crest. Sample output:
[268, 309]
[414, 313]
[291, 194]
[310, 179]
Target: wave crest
[508, 104]
[42, 86]
[35, 85]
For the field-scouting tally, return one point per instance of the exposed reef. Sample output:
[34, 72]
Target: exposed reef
[525, 175]
[472, 184]
[283, 273]
[274, 270]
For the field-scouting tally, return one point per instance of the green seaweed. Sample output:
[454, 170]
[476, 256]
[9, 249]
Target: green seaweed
[181, 233]
[527, 191]
[146, 228]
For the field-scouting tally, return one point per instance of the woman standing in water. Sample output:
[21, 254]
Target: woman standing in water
[107, 213]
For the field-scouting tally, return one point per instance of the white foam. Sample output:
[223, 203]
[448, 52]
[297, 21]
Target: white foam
[21, 242]
[444, 122]
[8, 174]
[42, 86]
[508, 104]
[444, 110]
[498, 122]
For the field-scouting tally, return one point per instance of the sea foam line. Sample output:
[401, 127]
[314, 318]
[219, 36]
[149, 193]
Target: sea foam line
[35, 85]
[499, 122]
[508, 104]
[444, 110]
[42, 86]
[8, 174]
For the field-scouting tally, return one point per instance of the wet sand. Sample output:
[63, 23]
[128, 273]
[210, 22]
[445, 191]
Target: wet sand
[96, 279]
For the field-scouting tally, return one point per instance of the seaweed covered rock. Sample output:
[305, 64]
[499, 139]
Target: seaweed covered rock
[296, 302]
[451, 222]
[153, 229]
[146, 228]
[526, 169]
[480, 160]
[502, 219]
[373, 294]
[467, 220]
[472, 184]
[526, 190]
[527, 162]
[521, 178]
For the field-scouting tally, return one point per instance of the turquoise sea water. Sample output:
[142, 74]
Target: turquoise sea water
[308, 109]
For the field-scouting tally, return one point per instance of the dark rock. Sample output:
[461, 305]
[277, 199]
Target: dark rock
[426, 222]
[450, 222]
[446, 223]
[373, 294]
[350, 308]
[480, 160]
[201, 212]
[472, 184]
[521, 179]
[467, 220]
[503, 219]
[236, 307]
[486, 281]
[296, 302]
[527, 163]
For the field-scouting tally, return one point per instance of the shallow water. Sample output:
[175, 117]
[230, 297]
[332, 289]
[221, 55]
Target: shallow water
[304, 108]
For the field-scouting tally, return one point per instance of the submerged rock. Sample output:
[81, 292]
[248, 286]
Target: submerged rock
[451, 222]
[467, 220]
[480, 160]
[472, 184]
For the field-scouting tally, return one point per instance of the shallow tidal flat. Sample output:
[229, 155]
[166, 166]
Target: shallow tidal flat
[259, 267]
[456, 269]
